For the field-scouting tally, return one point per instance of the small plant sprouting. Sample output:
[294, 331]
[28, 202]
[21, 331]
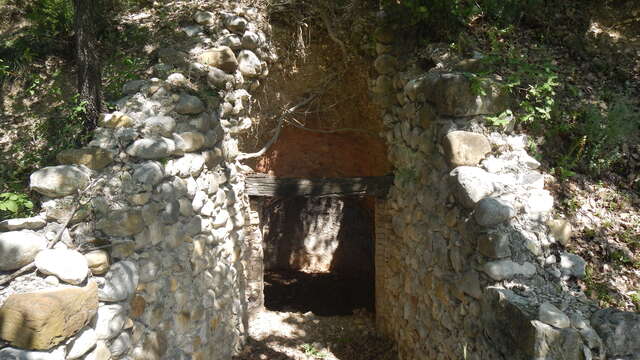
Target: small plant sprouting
[311, 350]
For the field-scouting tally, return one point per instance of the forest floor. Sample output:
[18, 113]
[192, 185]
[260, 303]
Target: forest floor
[304, 336]
[310, 316]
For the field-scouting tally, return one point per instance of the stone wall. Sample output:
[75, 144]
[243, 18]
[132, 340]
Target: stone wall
[473, 264]
[151, 216]
[145, 247]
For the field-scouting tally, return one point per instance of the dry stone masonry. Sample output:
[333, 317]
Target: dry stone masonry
[146, 248]
[140, 245]
[469, 258]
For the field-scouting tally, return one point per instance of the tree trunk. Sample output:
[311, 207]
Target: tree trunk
[87, 61]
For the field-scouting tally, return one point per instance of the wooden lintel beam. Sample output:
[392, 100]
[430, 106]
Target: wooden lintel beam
[263, 185]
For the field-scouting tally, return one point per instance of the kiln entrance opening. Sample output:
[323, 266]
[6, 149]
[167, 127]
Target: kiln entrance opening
[318, 254]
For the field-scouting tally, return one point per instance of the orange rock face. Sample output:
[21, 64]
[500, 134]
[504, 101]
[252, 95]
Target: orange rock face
[299, 153]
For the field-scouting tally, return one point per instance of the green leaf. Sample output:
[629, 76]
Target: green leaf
[11, 206]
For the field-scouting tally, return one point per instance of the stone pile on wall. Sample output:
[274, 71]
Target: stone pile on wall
[473, 263]
[140, 244]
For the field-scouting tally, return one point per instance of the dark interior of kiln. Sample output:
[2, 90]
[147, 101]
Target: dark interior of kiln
[318, 254]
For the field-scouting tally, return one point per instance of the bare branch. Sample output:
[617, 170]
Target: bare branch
[329, 131]
[277, 129]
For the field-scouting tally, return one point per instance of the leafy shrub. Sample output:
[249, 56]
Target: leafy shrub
[598, 135]
[444, 19]
[14, 205]
[50, 18]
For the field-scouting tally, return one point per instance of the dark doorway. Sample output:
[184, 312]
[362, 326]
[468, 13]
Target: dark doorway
[318, 254]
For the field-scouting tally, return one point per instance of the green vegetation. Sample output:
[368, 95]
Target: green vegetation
[14, 205]
[37, 83]
[598, 290]
[311, 350]
[444, 19]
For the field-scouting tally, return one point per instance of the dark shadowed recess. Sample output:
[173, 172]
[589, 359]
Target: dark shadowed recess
[346, 280]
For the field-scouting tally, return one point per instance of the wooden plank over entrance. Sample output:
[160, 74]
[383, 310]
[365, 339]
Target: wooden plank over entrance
[264, 185]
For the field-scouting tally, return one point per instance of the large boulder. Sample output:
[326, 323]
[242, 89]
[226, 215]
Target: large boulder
[19, 248]
[249, 64]
[509, 322]
[68, 265]
[457, 95]
[41, 320]
[93, 157]
[58, 181]
[620, 332]
[221, 57]
[465, 148]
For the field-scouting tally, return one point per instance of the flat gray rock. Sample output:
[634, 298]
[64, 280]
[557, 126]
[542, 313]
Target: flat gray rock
[159, 125]
[572, 265]
[551, 315]
[189, 105]
[133, 86]
[149, 173]
[151, 148]
[491, 212]
[81, 343]
[474, 184]
[110, 320]
[31, 223]
[20, 354]
[218, 78]
[620, 332]
[58, 181]
[507, 269]
[124, 222]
